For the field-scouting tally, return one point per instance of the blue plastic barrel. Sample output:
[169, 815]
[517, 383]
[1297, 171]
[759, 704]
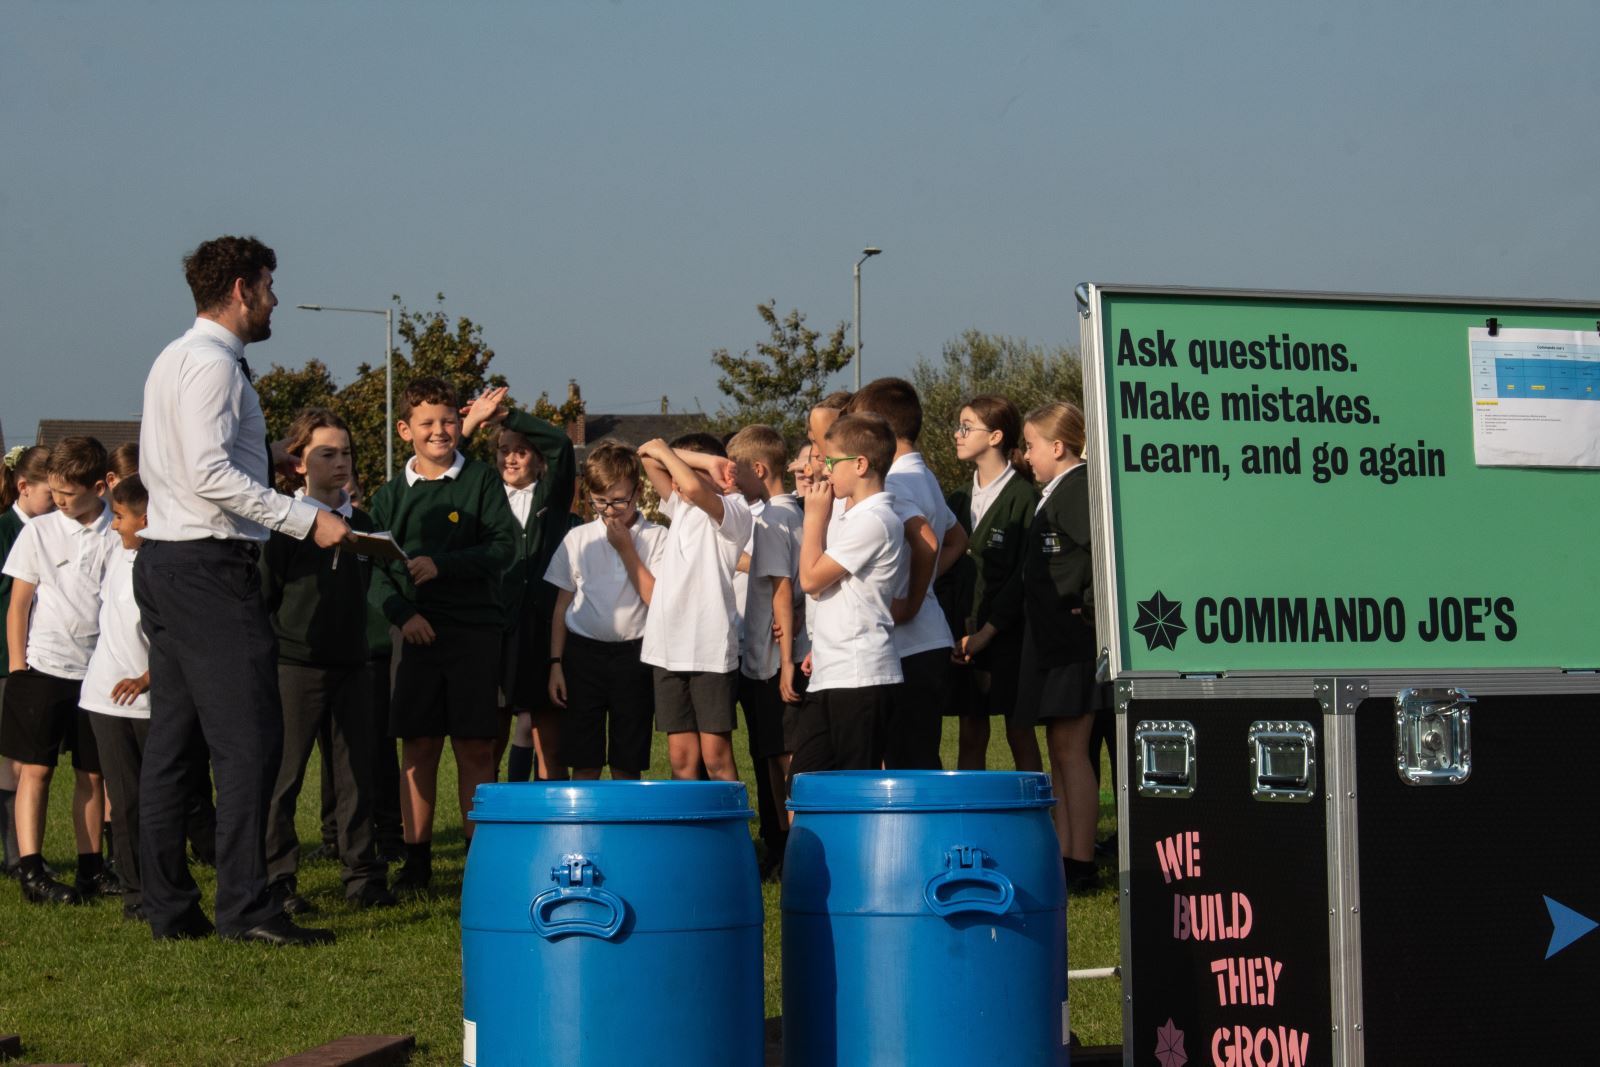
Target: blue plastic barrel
[611, 923]
[924, 921]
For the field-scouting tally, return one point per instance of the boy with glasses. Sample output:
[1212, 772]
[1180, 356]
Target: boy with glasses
[603, 579]
[853, 561]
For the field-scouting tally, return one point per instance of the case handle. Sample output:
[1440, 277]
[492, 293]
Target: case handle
[575, 879]
[966, 885]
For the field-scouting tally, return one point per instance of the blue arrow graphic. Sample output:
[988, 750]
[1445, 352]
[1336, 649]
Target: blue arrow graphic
[1569, 926]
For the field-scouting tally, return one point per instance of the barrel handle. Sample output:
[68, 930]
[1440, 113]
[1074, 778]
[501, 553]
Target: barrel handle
[574, 880]
[966, 885]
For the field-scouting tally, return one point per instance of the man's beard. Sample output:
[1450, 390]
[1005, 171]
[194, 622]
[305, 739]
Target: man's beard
[258, 332]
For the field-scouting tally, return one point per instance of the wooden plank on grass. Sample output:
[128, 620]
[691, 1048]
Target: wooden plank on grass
[367, 1050]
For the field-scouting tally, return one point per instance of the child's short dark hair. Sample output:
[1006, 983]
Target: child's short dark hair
[25, 461]
[896, 400]
[125, 459]
[609, 463]
[130, 494]
[704, 443]
[759, 444]
[836, 401]
[428, 390]
[211, 268]
[79, 460]
[868, 435]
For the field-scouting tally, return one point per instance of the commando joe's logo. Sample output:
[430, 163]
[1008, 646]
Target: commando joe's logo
[1301, 620]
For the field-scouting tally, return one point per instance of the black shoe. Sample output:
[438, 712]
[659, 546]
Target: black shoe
[43, 889]
[772, 867]
[133, 913]
[192, 927]
[412, 879]
[289, 901]
[1106, 851]
[323, 853]
[100, 884]
[374, 895]
[279, 930]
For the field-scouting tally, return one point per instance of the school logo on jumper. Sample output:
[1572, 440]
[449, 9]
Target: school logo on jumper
[1161, 622]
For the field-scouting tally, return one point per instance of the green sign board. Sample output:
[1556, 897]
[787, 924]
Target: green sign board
[1291, 482]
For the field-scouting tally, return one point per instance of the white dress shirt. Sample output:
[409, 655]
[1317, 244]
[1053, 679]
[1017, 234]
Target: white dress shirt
[65, 561]
[203, 447]
[521, 501]
[413, 476]
[984, 495]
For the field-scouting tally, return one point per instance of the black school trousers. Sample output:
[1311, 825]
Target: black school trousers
[213, 664]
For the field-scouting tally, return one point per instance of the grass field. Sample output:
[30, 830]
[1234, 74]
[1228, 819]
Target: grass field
[81, 985]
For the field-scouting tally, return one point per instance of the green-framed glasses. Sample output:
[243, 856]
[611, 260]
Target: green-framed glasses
[829, 461]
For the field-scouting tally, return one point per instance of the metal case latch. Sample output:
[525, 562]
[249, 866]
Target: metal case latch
[1164, 763]
[1283, 761]
[1433, 736]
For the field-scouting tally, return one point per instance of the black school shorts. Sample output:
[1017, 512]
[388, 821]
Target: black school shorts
[449, 688]
[42, 719]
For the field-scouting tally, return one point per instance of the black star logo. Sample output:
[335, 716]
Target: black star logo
[1161, 622]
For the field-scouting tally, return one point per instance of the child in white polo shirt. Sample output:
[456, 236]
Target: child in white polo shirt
[56, 568]
[116, 687]
[690, 635]
[602, 572]
[854, 564]
[766, 654]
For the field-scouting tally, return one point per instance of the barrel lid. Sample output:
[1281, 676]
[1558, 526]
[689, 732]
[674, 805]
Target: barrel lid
[609, 801]
[920, 791]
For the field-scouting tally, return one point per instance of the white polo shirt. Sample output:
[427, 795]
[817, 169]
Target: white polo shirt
[776, 554]
[605, 605]
[852, 636]
[65, 560]
[916, 491]
[692, 624]
[122, 651]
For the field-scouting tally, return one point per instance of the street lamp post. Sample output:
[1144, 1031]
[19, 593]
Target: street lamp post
[388, 376]
[866, 254]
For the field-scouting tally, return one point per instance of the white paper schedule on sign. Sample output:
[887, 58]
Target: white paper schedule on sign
[1535, 397]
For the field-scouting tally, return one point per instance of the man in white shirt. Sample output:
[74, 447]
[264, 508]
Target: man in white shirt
[205, 460]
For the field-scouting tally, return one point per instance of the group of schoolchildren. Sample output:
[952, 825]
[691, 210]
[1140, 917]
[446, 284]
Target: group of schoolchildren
[847, 617]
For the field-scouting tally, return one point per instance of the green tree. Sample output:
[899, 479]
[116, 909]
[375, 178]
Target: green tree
[284, 392]
[977, 363]
[784, 379]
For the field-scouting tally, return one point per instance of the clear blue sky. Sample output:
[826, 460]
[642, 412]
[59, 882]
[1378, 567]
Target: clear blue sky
[610, 189]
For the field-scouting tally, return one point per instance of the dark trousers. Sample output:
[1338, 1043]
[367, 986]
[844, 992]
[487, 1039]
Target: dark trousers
[212, 664]
[385, 797]
[841, 730]
[199, 807]
[916, 714]
[121, 742]
[340, 699]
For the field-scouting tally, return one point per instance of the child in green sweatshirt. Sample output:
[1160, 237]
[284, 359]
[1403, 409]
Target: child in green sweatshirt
[450, 516]
[318, 601]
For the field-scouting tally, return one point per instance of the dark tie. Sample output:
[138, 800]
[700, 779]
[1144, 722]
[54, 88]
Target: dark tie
[244, 365]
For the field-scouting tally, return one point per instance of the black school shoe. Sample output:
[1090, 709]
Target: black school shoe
[289, 901]
[413, 878]
[43, 889]
[102, 883]
[192, 927]
[280, 930]
[374, 895]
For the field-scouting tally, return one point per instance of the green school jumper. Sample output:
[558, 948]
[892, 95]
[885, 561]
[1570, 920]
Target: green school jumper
[466, 527]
